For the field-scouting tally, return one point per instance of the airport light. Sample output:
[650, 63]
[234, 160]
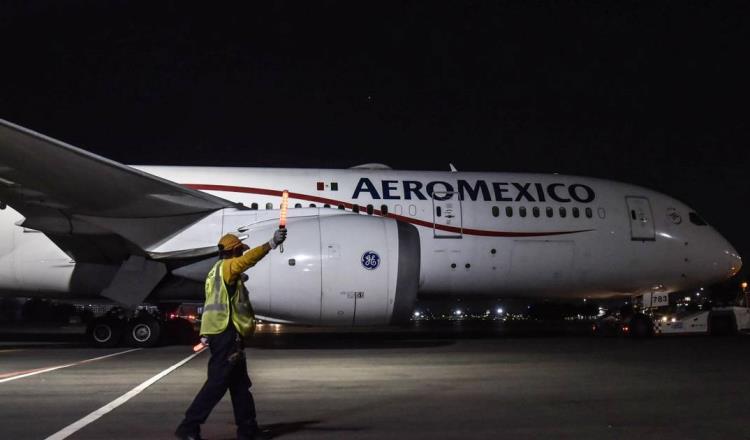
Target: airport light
[417, 314]
[499, 310]
[459, 312]
[743, 285]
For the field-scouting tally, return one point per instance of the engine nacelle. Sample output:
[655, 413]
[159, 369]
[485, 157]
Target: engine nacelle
[338, 270]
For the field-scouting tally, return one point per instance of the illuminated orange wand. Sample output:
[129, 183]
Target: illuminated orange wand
[282, 219]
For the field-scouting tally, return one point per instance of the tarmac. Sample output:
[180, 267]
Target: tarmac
[393, 385]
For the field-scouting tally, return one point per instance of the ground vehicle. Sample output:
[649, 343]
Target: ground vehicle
[716, 321]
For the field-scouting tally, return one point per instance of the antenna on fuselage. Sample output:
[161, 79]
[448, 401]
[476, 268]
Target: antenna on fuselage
[453, 169]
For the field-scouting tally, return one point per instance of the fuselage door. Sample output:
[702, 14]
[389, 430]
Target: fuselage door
[447, 217]
[641, 218]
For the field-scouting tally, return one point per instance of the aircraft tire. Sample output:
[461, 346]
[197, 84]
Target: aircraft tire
[641, 326]
[143, 332]
[105, 332]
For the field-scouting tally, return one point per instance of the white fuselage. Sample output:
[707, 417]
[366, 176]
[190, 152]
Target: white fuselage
[491, 234]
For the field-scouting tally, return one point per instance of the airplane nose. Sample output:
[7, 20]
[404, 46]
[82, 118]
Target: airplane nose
[717, 258]
[734, 259]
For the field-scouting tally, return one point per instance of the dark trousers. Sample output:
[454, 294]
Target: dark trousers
[223, 375]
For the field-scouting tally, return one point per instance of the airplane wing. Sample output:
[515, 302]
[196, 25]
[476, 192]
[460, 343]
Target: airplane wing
[95, 209]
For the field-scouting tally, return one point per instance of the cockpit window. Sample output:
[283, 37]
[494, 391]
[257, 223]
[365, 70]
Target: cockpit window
[696, 219]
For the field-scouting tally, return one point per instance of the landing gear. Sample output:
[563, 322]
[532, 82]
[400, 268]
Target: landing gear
[143, 332]
[106, 332]
[140, 328]
[641, 326]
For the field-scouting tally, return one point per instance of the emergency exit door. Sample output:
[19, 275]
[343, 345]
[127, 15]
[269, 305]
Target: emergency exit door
[447, 218]
[641, 218]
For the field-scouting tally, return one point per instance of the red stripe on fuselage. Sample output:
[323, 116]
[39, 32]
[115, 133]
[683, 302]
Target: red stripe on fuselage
[414, 221]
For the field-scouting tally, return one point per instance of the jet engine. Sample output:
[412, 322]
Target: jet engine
[337, 270]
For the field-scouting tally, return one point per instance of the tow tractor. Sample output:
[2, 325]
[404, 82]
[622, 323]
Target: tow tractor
[688, 318]
[716, 321]
[653, 315]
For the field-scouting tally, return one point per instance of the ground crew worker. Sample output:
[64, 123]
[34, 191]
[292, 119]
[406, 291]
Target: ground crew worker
[227, 319]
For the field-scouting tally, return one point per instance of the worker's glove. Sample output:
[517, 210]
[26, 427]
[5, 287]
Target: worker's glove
[278, 237]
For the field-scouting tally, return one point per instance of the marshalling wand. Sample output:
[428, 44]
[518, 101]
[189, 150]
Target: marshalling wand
[282, 217]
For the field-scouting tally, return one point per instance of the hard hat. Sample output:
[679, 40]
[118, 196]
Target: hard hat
[230, 242]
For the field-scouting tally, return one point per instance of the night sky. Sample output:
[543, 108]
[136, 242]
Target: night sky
[652, 93]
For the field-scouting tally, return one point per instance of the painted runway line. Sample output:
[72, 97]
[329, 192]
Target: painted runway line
[7, 377]
[92, 417]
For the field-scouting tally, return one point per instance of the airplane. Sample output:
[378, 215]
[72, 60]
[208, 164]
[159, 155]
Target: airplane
[364, 243]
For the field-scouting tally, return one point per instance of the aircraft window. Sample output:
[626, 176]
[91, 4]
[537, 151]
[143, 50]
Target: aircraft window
[495, 211]
[370, 209]
[509, 211]
[253, 206]
[550, 211]
[341, 207]
[522, 211]
[563, 212]
[535, 211]
[383, 210]
[696, 219]
[576, 212]
[312, 205]
[589, 214]
[632, 214]
[326, 205]
[269, 205]
[438, 211]
[355, 208]
[298, 205]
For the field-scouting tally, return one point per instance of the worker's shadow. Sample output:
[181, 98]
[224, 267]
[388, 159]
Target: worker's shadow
[275, 430]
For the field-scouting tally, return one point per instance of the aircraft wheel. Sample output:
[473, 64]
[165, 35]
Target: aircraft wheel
[105, 332]
[641, 326]
[143, 332]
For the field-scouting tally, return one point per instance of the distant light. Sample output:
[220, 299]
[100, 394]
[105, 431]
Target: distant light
[584, 300]
[417, 314]
[499, 310]
[687, 298]
[459, 312]
[663, 319]
[744, 285]
[674, 319]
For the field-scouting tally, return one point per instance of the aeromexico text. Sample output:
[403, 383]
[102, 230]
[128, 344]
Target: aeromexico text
[475, 190]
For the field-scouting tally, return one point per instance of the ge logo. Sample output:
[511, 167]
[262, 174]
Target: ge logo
[370, 260]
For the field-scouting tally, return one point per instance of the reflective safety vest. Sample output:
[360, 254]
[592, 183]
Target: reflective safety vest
[218, 309]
